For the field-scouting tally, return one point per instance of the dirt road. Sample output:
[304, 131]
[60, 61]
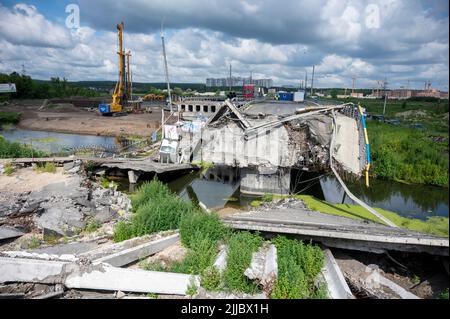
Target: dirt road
[69, 119]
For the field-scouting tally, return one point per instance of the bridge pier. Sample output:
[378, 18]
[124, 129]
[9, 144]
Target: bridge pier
[265, 180]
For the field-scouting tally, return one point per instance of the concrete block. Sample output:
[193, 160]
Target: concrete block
[31, 270]
[7, 232]
[221, 261]
[132, 280]
[127, 256]
[336, 285]
[133, 177]
[263, 266]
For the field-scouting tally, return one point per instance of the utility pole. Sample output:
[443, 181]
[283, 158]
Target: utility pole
[353, 85]
[230, 78]
[165, 67]
[385, 96]
[129, 94]
[312, 81]
[306, 81]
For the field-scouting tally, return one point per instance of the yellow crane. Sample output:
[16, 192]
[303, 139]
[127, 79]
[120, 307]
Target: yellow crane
[119, 101]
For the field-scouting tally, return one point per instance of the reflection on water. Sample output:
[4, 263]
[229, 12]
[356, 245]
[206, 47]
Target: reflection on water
[416, 201]
[220, 188]
[59, 142]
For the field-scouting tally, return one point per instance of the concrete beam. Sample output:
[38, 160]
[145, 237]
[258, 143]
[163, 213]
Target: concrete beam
[132, 280]
[31, 270]
[336, 285]
[111, 249]
[7, 232]
[94, 277]
[133, 254]
[349, 240]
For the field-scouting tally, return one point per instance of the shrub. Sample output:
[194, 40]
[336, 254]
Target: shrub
[298, 267]
[241, 247]
[46, 168]
[198, 224]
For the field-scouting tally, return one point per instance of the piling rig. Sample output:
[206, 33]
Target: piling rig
[120, 95]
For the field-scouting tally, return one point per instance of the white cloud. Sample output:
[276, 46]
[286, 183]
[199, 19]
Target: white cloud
[203, 37]
[25, 25]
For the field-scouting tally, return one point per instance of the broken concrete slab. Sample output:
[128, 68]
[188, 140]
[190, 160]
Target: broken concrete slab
[264, 267]
[370, 280]
[221, 260]
[132, 280]
[336, 285]
[108, 250]
[69, 248]
[94, 277]
[7, 232]
[139, 252]
[61, 218]
[31, 270]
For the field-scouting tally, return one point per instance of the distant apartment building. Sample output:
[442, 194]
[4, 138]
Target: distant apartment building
[238, 81]
[406, 94]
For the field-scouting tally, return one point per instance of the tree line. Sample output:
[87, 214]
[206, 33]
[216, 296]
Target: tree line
[27, 88]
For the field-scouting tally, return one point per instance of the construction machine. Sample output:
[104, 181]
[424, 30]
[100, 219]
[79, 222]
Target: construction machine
[120, 95]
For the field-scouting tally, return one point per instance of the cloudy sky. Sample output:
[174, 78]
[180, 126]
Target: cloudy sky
[406, 41]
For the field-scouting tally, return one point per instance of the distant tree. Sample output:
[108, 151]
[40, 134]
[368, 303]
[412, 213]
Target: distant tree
[334, 93]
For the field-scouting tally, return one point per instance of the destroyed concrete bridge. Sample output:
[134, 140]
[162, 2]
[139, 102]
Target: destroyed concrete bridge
[267, 141]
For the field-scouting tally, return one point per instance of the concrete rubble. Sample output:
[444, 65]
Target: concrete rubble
[97, 269]
[63, 208]
[263, 267]
[369, 280]
[77, 275]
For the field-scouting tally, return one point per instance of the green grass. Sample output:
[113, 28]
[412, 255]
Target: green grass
[9, 117]
[298, 266]
[8, 169]
[45, 140]
[35, 242]
[92, 226]
[155, 209]
[48, 167]
[434, 225]
[17, 150]
[409, 155]
[444, 294]
[241, 246]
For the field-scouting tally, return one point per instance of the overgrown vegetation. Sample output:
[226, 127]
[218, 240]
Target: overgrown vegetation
[92, 226]
[241, 246]
[298, 266]
[156, 209]
[435, 225]
[17, 150]
[48, 167]
[408, 155]
[444, 294]
[8, 169]
[9, 118]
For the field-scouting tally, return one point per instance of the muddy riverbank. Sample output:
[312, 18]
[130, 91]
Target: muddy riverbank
[66, 118]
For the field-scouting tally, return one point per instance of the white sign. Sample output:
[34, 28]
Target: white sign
[8, 88]
[170, 132]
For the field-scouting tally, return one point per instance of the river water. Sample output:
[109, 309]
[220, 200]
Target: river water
[415, 201]
[412, 201]
[55, 143]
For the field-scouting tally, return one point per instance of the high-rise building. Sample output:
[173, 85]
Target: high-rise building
[238, 81]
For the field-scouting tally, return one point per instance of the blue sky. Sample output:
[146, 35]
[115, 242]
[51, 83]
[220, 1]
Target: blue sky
[405, 41]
